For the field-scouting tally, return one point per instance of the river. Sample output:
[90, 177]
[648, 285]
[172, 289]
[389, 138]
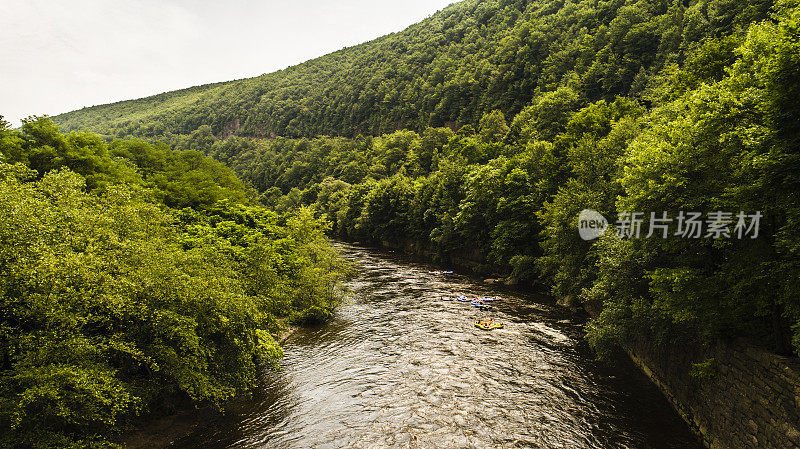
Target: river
[401, 366]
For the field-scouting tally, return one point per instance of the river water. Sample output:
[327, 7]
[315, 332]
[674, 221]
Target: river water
[401, 366]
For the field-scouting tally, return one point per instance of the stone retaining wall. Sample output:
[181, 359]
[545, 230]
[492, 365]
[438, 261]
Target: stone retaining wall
[751, 398]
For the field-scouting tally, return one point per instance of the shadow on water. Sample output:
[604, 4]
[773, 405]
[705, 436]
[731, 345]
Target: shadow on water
[402, 365]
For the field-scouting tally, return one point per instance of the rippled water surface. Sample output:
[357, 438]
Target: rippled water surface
[401, 366]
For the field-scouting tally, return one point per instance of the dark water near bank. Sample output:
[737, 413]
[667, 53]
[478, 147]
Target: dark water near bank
[401, 367]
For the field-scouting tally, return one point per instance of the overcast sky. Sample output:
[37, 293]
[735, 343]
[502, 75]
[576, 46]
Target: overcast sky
[57, 56]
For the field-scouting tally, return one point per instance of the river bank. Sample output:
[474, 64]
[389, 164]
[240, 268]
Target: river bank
[164, 431]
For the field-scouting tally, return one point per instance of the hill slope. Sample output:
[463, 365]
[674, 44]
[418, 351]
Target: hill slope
[470, 58]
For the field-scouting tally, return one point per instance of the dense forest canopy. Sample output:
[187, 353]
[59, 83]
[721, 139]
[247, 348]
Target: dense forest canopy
[551, 108]
[135, 279]
[479, 134]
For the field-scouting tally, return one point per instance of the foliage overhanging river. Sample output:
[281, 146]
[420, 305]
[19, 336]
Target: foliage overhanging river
[399, 366]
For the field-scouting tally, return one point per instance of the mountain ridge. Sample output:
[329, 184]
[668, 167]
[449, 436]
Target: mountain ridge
[451, 68]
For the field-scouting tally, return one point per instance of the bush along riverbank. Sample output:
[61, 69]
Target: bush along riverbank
[138, 280]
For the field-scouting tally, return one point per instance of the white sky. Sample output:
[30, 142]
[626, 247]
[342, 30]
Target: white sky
[57, 56]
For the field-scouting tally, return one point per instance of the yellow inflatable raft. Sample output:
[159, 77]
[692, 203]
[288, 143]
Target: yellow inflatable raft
[488, 325]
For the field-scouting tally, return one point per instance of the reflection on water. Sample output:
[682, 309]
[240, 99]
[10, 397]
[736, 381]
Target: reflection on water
[400, 366]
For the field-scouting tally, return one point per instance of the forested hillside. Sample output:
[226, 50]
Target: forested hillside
[485, 130]
[473, 57]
